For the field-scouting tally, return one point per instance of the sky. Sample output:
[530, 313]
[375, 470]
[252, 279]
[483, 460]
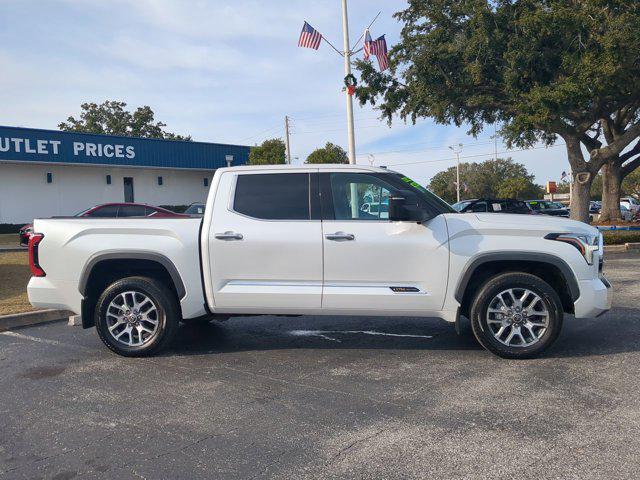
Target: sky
[224, 71]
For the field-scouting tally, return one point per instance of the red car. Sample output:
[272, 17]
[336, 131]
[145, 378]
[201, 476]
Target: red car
[111, 210]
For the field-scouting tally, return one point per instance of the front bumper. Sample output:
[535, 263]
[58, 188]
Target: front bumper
[595, 298]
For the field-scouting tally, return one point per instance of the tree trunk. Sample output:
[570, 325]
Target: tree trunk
[581, 187]
[611, 183]
[580, 195]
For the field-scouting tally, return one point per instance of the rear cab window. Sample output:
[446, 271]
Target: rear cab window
[273, 196]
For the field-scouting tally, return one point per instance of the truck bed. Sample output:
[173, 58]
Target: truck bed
[72, 245]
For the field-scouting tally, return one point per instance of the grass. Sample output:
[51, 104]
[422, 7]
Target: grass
[14, 276]
[9, 240]
[619, 237]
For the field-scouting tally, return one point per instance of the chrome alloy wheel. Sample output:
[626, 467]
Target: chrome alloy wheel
[132, 318]
[517, 317]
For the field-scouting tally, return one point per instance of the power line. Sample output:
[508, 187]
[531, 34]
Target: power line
[421, 150]
[450, 159]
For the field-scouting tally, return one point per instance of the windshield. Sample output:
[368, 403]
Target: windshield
[195, 209]
[82, 212]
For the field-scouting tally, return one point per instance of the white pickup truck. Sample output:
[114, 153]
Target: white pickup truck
[283, 240]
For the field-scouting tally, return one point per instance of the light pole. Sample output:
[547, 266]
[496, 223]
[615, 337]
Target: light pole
[286, 138]
[347, 71]
[457, 149]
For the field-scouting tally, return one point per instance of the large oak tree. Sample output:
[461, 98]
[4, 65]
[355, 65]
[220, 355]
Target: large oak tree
[542, 69]
[112, 118]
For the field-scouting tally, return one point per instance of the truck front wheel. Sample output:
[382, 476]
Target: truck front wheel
[516, 315]
[136, 316]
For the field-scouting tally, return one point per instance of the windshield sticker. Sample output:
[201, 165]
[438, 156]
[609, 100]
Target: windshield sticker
[414, 184]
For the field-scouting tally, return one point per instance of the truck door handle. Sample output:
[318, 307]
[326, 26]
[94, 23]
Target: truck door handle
[229, 236]
[340, 236]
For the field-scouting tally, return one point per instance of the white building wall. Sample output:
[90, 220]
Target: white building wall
[25, 193]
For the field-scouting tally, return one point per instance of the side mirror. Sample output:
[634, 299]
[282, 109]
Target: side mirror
[405, 207]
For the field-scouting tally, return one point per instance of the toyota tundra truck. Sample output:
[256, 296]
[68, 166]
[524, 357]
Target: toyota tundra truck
[283, 240]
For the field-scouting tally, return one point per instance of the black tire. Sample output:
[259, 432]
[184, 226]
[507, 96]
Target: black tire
[516, 280]
[167, 316]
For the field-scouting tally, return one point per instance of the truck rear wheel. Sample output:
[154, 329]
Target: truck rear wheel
[516, 315]
[137, 316]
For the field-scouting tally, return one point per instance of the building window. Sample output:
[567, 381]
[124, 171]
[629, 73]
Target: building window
[49, 177]
[108, 179]
[206, 182]
[160, 181]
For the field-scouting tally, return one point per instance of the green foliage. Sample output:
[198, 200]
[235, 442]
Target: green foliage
[271, 152]
[619, 237]
[520, 188]
[330, 153]
[631, 184]
[491, 179]
[538, 67]
[111, 118]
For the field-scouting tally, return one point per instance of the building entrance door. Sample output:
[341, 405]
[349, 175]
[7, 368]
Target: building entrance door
[128, 189]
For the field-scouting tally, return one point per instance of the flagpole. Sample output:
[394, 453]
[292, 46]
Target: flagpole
[347, 71]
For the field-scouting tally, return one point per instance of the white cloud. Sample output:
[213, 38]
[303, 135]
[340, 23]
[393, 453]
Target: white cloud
[220, 70]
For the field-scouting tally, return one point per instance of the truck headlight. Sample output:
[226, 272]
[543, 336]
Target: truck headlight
[586, 244]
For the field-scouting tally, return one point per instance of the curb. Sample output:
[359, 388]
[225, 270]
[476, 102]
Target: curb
[13, 249]
[26, 319]
[626, 247]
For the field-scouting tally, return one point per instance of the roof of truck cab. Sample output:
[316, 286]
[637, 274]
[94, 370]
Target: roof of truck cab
[331, 166]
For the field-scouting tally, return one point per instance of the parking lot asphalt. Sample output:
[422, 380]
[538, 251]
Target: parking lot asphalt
[325, 397]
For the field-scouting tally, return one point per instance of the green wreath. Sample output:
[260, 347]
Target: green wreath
[350, 81]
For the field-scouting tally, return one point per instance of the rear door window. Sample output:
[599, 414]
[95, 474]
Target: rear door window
[131, 211]
[273, 196]
[108, 211]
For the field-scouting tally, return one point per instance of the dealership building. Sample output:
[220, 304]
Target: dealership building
[47, 172]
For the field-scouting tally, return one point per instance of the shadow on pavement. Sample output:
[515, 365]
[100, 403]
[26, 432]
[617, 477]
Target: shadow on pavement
[616, 332]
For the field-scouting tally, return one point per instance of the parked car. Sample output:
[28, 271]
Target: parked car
[195, 209]
[109, 210]
[492, 205]
[631, 203]
[293, 241]
[625, 213]
[546, 207]
[595, 206]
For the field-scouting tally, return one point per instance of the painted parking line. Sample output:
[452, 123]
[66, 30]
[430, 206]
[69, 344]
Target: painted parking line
[324, 334]
[46, 341]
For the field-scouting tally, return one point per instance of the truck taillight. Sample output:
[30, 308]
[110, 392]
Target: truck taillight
[34, 264]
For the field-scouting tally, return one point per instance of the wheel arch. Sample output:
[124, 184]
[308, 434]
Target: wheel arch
[106, 267]
[550, 268]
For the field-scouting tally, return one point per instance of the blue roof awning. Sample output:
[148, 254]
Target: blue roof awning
[52, 146]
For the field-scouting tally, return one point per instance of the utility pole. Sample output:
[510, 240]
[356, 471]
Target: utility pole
[457, 149]
[347, 71]
[495, 142]
[286, 136]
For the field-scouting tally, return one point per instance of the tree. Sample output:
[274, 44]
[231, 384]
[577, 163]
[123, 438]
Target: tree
[485, 179]
[330, 153]
[541, 69]
[271, 152]
[111, 118]
[631, 184]
[520, 188]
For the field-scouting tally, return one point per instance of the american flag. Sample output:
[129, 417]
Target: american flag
[379, 49]
[309, 37]
[367, 45]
